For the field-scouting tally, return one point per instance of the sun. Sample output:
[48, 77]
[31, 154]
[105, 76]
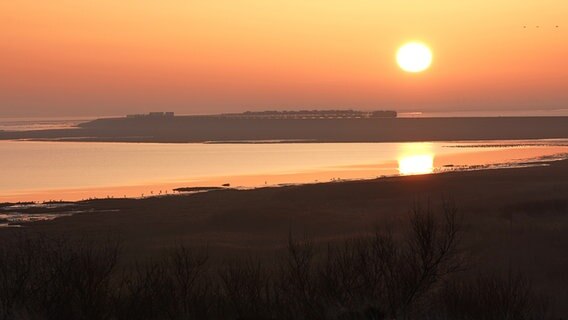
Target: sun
[414, 57]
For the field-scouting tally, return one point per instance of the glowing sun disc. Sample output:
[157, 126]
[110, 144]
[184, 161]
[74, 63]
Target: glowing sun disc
[414, 57]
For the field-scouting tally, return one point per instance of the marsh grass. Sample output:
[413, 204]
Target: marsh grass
[413, 276]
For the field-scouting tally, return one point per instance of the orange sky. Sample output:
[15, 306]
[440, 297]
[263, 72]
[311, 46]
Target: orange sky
[108, 57]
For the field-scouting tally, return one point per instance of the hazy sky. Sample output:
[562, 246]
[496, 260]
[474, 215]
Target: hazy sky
[109, 57]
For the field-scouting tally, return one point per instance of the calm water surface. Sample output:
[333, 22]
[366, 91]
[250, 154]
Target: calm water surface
[39, 171]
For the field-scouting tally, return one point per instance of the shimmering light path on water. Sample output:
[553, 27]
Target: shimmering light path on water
[41, 171]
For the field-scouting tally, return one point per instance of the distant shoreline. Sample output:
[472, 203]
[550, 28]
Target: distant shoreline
[194, 129]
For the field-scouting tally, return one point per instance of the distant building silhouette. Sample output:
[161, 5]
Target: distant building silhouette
[152, 115]
[311, 114]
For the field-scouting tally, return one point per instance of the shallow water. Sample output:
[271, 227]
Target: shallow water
[42, 171]
[24, 124]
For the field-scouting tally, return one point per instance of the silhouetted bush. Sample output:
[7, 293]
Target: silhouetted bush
[175, 287]
[17, 260]
[491, 297]
[247, 289]
[56, 279]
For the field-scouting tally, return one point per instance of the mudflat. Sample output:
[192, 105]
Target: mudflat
[535, 199]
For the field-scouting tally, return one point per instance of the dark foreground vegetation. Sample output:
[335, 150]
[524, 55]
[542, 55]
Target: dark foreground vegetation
[422, 273]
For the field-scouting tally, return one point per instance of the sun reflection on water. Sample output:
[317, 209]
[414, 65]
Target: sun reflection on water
[416, 158]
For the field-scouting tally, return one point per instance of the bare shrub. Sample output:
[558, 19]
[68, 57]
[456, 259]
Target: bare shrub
[384, 276]
[491, 297]
[247, 288]
[17, 261]
[371, 277]
[349, 281]
[143, 292]
[176, 287]
[73, 279]
[57, 278]
[296, 288]
[429, 255]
